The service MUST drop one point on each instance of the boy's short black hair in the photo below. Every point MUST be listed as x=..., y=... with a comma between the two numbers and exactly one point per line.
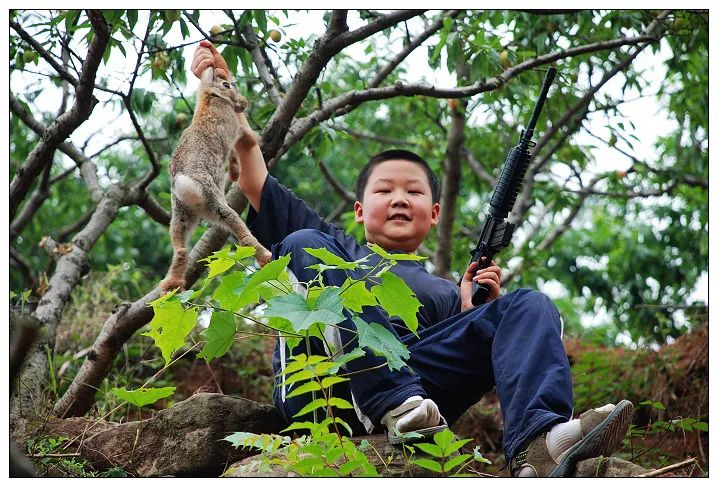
x=396, y=154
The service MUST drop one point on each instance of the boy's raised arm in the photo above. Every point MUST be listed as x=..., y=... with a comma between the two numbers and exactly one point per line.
x=253, y=171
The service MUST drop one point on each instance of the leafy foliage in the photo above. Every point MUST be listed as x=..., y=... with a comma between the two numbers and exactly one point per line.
x=143, y=396
x=666, y=237
x=445, y=461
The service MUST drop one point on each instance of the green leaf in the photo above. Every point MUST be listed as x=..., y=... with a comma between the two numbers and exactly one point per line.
x=301, y=375
x=478, y=457
x=350, y=466
x=169, y=296
x=264, y=441
x=391, y=256
x=269, y=272
x=261, y=19
x=131, y=18
x=344, y=358
x=299, y=362
x=456, y=461
x=219, y=335
x=218, y=266
x=443, y=438
x=382, y=342
x=344, y=424
x=230, y=289
x=333, y=454
x=431, y=449
x=315, y=404
x=356, y=295
x=340, y=403
x=331, y=260
x=222, y=260
x=398, y=300
x=454, y=446
x=428, y=464
x=299, y=425
x=295, y=309
x=170, y=326
x=304, y=388
x=144, y=395
x=331, y=380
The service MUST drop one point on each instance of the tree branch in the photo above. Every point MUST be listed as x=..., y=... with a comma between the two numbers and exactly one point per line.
x=685, y=178
x=73, y=227
x=127, y=100
x=65, y=124
x=341, y=104
x=523, y=201
x=153, y=209
x=333, y=41
x=434, y=28
x=378, y=138
x=33, y=204
x=130, y=317
x=17, y=261
x=552, y=237
x=263, y=64
x=344, y=193
x=46, y=55
x=87, y=167
x=451, y=181
x=478, y=168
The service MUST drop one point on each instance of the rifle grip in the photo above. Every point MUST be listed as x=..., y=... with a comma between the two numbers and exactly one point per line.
x=480, y=293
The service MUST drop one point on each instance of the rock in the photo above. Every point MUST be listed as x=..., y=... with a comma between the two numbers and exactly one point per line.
x=608, y=467
x=186, y=440
x=183, y=440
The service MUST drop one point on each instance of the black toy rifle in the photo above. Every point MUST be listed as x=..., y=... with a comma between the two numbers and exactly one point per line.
x=497, y=232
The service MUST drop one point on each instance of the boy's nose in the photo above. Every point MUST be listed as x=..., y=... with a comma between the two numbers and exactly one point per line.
x=399, y=200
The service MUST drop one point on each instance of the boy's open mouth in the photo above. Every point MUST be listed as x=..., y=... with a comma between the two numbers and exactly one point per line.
x=400, y=217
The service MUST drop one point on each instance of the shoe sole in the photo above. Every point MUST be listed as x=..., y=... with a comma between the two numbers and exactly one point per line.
x=602, y=440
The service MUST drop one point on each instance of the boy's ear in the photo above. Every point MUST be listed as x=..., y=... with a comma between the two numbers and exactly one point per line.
x=358, y=212
x=435, y=210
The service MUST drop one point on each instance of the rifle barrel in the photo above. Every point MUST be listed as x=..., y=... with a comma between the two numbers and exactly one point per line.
x=550, y=75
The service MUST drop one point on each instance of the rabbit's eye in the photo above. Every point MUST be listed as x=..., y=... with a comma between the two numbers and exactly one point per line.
x=225, y=84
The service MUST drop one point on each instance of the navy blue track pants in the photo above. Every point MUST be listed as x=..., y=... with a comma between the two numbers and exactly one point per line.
x=513, y=343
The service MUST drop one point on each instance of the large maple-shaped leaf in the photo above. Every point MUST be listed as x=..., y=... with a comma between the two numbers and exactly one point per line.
x=170, y=326
x=356, y=295
x=219, y=335
x=237, y=290
x=229, y=290
x=398, y=300
x=382, y=342
x=295, y=309
x=144, y=395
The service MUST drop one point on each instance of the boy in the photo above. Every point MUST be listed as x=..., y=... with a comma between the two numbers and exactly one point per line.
x=512, y=342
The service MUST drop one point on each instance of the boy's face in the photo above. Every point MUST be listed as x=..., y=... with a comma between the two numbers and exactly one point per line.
x=397, y=210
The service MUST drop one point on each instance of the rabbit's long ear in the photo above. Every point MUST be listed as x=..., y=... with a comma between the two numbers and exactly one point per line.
x=208, y=75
